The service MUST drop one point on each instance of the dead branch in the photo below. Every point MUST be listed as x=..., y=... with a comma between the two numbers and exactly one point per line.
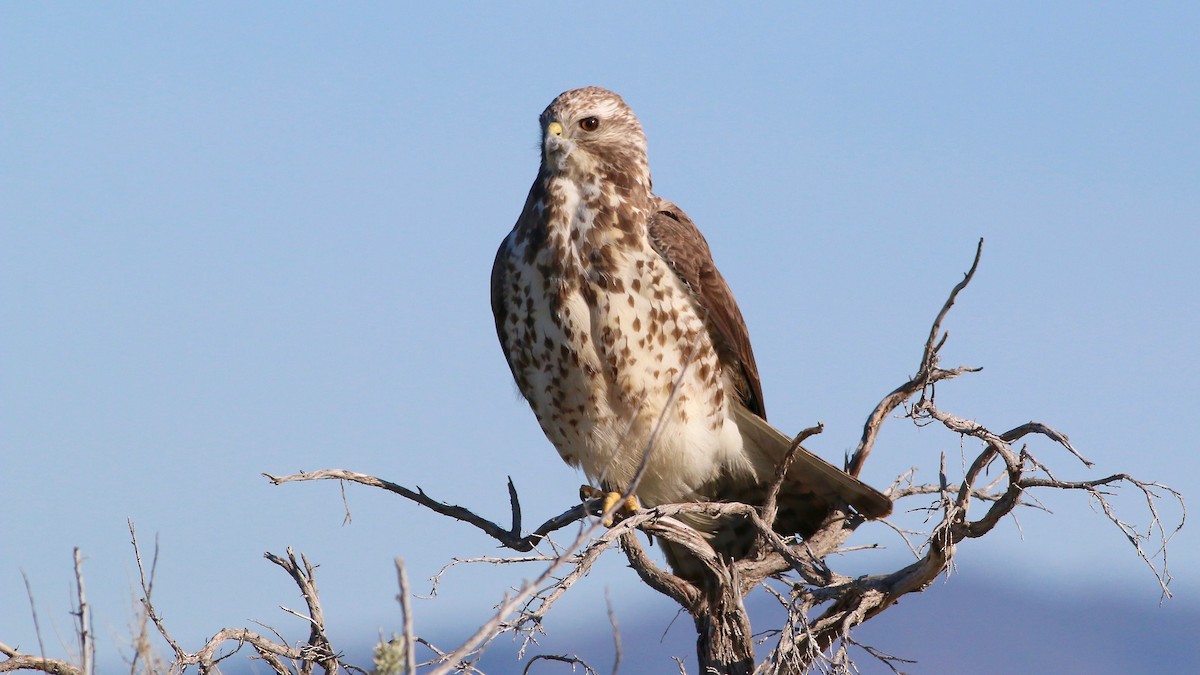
x=37, y=628
x=770, y=505
x=441, y=655
x=573, y=660
x=510, y=538
x=927, y=374
x=87, y=641
x=616, y=633
x=17, y=661
x=317, y=650
x=410, y=653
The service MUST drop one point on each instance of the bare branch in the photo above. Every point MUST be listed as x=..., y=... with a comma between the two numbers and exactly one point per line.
x=87, y=642
x=17, y=661
x=509, y=537
x=927, y=374
x=37, y=628
x=659, y=423
x=673, y=587
x=319, y=650
x=616, y=632
x=1132, y=535
x=770, y=506
x=573, y=660
x=410, y=652
x=147, y=584
x=464, y=667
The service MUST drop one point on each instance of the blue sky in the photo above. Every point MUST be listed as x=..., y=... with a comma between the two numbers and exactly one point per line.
x=241, y=239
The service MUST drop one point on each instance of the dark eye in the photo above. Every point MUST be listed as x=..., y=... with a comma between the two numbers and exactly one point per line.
x=589, y=123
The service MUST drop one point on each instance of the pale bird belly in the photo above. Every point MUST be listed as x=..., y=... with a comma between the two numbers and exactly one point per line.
x=607, y=372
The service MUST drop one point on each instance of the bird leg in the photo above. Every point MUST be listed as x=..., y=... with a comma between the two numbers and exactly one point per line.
x=630, y=506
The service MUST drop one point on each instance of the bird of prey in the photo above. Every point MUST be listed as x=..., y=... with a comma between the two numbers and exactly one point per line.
x=616, y=323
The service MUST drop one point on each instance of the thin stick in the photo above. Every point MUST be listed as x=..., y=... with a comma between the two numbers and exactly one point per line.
x=410, y=645
x=770, y=504
x=926, y=374
x=87, y=648
x=616, y=632
x=37, y=629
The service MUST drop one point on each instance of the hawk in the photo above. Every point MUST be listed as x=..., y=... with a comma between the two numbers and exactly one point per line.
x=615, y=322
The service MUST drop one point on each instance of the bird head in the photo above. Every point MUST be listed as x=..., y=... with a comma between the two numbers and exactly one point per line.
x=592, y=131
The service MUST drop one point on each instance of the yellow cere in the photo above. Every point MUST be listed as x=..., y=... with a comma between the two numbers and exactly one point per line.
x=555, y=128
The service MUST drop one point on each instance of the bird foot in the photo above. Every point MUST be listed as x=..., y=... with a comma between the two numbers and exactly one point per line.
x=630, y=504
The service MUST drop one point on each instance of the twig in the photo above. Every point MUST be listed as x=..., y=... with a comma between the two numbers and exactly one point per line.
x=616, y=632
x=87, y=645
x=37, y=628
x=17, y=661
x=659, y=423
x=770, y=504
x=441, y=655
x=147, y=586
x=318, y=649
x=490, y=628
x=509, y=537
x=410, y=651
x=573, y=660
x=927, y=374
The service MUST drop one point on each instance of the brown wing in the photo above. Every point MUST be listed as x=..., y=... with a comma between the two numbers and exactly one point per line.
x=814, y=484
x=680, y=243
x=499, y=306
x=528, y=233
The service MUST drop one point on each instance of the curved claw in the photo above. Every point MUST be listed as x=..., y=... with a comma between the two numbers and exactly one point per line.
x=630, y=506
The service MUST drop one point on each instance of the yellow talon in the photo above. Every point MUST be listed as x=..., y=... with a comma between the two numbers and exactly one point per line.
x=610, y=500
x=630, y=506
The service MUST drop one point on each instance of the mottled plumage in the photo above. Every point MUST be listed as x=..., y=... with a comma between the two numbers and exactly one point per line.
x=605, y=298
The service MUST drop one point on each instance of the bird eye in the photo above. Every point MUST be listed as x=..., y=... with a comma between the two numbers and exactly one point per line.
x=589, y=123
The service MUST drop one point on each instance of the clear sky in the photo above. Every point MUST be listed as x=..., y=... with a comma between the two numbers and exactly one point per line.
x=237, y=239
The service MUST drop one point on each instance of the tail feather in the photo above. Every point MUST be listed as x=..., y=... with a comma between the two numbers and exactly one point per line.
x=811, y=489
x=767, y=447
